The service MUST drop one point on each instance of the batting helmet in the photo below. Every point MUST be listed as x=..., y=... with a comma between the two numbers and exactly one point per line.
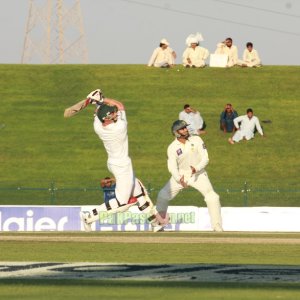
x=177, y=125
x=105, y=110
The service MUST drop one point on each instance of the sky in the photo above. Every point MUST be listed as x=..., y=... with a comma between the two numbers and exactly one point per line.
x=127, y=31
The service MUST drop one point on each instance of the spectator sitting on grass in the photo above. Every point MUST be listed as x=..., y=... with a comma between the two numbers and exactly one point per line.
x=245, y=131
x=162, y=56
x=192, y=117
x=226, y=47
x=250, y=57
x=226, y=119
x=194, y=56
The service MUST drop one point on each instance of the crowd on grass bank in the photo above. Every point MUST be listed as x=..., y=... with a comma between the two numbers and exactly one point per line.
x=196, y=56
x=226, y=55
x=242, y=127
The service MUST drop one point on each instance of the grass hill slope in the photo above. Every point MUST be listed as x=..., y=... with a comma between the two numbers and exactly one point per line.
x=39, y=146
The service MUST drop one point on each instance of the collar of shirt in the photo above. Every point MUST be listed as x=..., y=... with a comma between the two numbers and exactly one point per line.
x=179, y=143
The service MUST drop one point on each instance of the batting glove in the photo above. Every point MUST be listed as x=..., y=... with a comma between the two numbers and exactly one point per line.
x=96, y=97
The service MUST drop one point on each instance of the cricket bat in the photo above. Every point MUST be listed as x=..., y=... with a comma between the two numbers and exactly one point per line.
x=76, y=108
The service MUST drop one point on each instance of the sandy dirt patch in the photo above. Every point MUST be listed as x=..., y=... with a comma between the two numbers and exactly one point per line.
x=159, y=239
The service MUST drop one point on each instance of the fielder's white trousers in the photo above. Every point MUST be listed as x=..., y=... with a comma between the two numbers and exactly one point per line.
x=200, y=182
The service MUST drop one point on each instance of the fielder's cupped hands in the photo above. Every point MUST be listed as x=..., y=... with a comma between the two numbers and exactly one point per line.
x=193, y=170
x=182, y=182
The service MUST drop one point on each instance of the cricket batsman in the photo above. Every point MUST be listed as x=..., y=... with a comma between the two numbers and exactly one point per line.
x=110, y=124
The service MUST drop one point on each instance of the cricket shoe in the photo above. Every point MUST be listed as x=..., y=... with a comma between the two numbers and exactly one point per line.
x=84, y=217
x=218, y=228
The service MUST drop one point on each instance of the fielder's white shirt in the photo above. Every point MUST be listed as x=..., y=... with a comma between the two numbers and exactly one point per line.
x=182, y=156
x=115, y=139
x=248, y=125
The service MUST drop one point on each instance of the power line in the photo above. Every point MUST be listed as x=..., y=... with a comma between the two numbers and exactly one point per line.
x=210, y=18
x=260, y=9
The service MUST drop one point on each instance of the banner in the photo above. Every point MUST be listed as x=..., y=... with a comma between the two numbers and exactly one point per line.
x=276, y=219
x=182, y=218
x=39, y=218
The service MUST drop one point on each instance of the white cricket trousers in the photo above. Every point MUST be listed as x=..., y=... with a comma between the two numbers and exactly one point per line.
x=200, y=182
x=125, y=181
x=126, y=187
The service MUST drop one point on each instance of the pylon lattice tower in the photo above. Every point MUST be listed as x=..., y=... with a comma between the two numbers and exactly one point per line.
x=54, y=33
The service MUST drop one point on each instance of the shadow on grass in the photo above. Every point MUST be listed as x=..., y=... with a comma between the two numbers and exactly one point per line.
x=147, y=284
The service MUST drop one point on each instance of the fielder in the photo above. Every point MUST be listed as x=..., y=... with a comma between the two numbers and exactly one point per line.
x=110, y=124
x=187, y=159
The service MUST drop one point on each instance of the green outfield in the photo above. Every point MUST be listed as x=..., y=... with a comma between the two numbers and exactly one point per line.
x=214, y=249
x=43, y=151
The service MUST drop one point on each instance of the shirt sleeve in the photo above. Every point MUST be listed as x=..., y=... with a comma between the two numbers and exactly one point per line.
x=198, y=120
x=182, y=116
x=257, y=56
x=222, y=116
x=152, y=58
x=220, y=48
x=172, y=164
x=204, y=156
x=122, y=115
x=185, y=55
x=245, y=56
x=235, y=55
x=237, y=120
x=206, y=54
x=258, y=127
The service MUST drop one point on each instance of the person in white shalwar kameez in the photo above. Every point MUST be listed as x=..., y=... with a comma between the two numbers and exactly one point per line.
x=250, y=57
x=246, y=125
x=162, y=56
x=193, y=118
x=231, y=50
x=194, y=55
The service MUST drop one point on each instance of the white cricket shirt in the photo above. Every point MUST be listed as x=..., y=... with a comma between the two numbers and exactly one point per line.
x=182, y=156
x=115, y=139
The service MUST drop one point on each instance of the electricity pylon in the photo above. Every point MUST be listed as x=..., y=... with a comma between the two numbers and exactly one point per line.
x=54, y=33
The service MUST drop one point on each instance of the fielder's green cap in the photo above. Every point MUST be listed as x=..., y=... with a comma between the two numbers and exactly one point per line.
x=105, y=110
